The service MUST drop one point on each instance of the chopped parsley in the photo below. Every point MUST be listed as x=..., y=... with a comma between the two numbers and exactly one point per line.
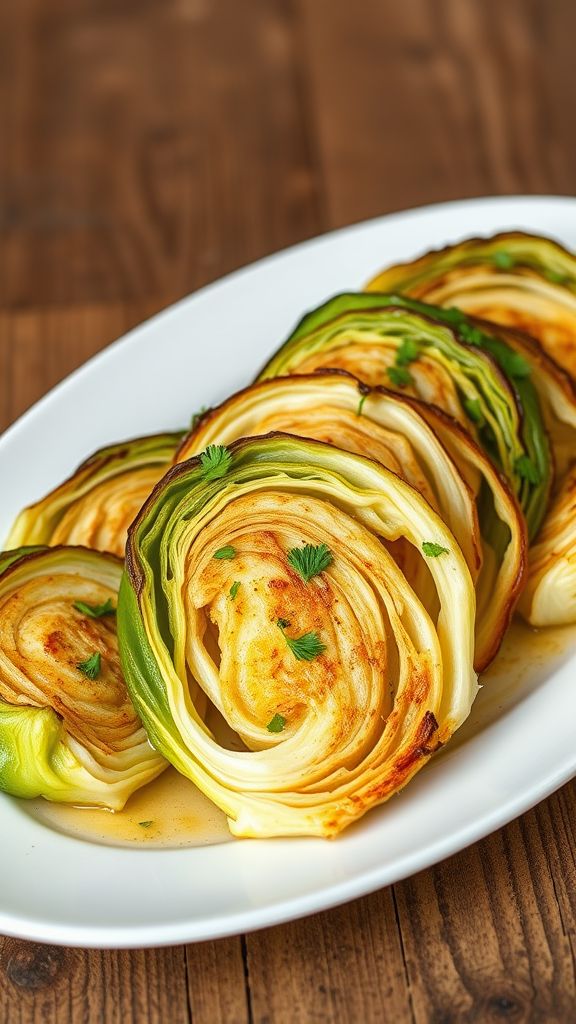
x=234, y=589
x=310, y=560
x=407, y=352
x=226, y=552
x=276, y=724
x=399, y=376
x=556, y=278
x=145, y=824
x=305, y=647
x=527, y=470
x=430, y=548
x=91, y=667
x=215, y=462
x=503, y=260
x=95, y=611
x=471, y=335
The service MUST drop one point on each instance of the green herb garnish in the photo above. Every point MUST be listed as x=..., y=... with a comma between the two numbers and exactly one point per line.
x=471, y=335
x=276, y=724
x=407, y=352
x=95, y=611
x=227, y=552
x=361, y=405
x=527, y=470
x=234, y=589
x=503, y=260
x=310, y=560
x=305, y=647
x=145, y=824
x=91, y=667
x=433, y=550
x=399, y=376
x=215, y=462
x=556, y=278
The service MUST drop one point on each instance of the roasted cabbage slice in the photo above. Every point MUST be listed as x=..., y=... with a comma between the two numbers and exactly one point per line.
x=429, y=450
x=96, y=505
x=68, y=730
x=518, y=279
x=382, y=340
x=257, y=574
x=550, y=595
x=543, y=388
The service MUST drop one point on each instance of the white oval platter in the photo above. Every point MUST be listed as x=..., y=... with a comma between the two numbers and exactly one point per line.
x=56, y=888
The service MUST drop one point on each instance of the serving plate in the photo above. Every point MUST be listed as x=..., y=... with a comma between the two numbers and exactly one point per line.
x=517, y=747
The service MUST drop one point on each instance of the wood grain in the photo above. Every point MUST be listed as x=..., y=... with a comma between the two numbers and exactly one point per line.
x=153, y=146
x=150, y=146
x=428, y=100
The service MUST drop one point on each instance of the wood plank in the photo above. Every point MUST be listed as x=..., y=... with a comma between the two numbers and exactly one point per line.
x=487, y=935
x=38, y=349
x=345, y=965
x=153, y=146
x=429, y=100
x=217, y=990
x=40, y=984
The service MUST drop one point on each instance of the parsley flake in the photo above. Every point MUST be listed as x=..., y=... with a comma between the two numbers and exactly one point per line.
x=95, y=611
x=145, y=824
x=234, y=589
x=310, y=560
x=224, y=553
x=276, y=724
x=471, y=335
x=503, y=260
x=91, y=667
x=399, y=376
x=215, y=462
x=305, y=647
x=407, y=352
x=556, y=278
x=527, y=470
x=433, y=550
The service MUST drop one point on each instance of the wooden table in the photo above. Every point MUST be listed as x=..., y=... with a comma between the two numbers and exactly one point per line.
x=149, y=146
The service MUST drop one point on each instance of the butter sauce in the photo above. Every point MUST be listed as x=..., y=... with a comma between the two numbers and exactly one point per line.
x=169, y=812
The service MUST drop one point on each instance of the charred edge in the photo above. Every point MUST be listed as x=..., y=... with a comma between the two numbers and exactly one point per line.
x=422, y=747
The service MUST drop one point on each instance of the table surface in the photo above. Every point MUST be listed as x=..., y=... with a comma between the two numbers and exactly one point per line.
x=149, y=146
